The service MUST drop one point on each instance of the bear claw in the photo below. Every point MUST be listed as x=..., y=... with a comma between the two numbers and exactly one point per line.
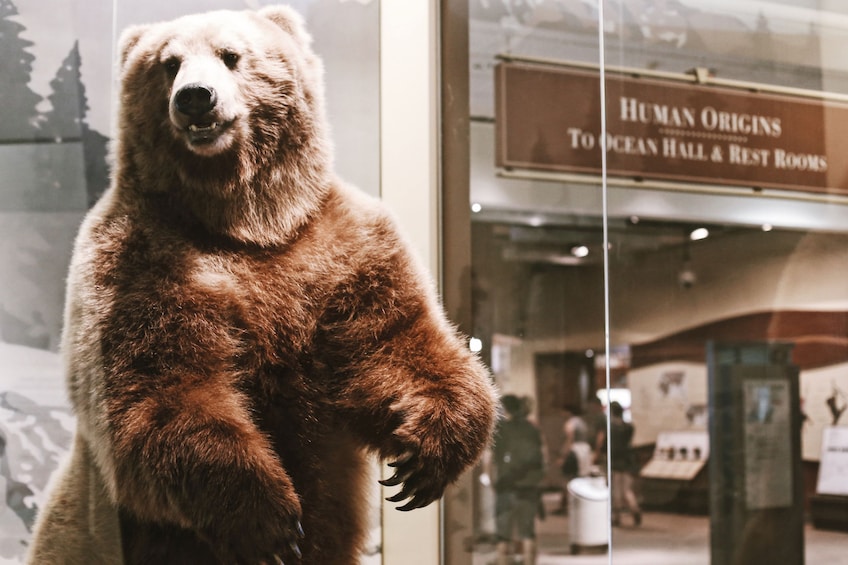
x=413, y=490
x=395, y=479
x=402, y=460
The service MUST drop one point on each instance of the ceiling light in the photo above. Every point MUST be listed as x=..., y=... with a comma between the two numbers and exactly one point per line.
x=580, y=251
x=767, y=227
x=699, y=233
x=476, y=207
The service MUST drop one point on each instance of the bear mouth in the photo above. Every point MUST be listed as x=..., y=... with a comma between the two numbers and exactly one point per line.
x=203, y=133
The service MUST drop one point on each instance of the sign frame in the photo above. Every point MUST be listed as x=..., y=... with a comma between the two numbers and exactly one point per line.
x=548, y=120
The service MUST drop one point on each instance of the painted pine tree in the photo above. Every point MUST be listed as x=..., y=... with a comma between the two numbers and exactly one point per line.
x=67, y=101
x=18, y=118
x=66, y=121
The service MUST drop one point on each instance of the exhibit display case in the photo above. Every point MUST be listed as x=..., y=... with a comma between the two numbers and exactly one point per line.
x=601, y=189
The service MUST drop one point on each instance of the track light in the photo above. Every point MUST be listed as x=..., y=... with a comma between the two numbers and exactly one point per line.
x=580, y=251
x=699, y=233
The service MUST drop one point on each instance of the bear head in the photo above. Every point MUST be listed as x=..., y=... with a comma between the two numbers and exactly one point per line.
x=222, y=115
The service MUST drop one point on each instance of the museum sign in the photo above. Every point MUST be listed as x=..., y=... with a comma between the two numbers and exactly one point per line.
x=548, y=119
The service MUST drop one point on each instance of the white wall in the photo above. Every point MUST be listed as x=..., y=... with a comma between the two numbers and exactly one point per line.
x=409, y=185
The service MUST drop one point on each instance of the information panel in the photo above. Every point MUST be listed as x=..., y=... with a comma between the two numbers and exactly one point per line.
x=833, y=470
x=767, y=442
x=548, y=119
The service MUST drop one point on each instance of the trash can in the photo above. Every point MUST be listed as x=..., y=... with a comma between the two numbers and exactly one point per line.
x=588, y=513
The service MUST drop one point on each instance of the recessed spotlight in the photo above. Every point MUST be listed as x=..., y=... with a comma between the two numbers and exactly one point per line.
x=476, y=207
x=475, y=344
x=767, y=227
x=699, y=233
x=535, y=221
x=580, y=251
x=634, y=220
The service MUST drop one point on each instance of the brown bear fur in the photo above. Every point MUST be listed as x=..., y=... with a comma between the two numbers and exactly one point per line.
x=242, y=329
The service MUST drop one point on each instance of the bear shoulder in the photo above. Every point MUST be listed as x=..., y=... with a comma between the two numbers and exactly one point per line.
x=365, y=221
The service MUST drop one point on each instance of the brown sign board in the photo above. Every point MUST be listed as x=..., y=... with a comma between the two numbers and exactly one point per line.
x=548, y=119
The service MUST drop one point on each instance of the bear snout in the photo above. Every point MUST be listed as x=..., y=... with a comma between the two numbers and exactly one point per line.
x=194, y=100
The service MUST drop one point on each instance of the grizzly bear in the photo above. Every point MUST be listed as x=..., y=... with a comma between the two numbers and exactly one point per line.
x=242, y=329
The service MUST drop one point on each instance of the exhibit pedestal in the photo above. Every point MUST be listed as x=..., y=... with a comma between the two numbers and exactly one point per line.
x=756, y=485
x=675, y=479
x=829, y=512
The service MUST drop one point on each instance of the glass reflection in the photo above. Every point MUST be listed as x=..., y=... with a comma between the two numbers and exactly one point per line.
x=698, y=266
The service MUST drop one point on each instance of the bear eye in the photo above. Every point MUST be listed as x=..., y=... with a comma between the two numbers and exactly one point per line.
x=172, y=65
x=230, y=59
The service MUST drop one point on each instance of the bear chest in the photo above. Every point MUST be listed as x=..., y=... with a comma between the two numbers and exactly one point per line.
x=262, y=307
x=274, y=295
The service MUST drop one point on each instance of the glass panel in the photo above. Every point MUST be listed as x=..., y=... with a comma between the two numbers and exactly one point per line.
x=537, y=263
x=57, y=89
x=724, y=242
x=52, y=165
x=728, y=234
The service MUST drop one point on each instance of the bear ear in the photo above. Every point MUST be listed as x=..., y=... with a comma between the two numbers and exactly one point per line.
x=129, y=39
x=290, y=21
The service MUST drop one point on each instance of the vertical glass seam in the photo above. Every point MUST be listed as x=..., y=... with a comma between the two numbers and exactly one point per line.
x=605, y=223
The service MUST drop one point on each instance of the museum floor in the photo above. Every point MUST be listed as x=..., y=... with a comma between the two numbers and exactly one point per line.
x=662, y=539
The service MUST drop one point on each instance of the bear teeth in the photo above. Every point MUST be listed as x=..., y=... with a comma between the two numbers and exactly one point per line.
x=210, y=127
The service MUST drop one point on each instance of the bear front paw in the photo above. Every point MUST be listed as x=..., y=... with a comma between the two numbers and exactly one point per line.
x=290, y=546
x=421, y=485
x=262, y=539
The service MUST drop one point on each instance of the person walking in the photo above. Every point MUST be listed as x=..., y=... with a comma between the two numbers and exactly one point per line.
x=519, y=467
x=576, y=453
x=621, y=452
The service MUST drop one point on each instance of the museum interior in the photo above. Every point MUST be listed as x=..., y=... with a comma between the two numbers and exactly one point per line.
x=642, y=224
x=686, y=275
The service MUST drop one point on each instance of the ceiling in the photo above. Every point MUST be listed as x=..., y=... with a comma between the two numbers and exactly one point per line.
x=788, y=43
x=557, y=244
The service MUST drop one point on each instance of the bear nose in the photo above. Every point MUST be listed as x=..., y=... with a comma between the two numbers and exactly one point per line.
x=195, y=100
